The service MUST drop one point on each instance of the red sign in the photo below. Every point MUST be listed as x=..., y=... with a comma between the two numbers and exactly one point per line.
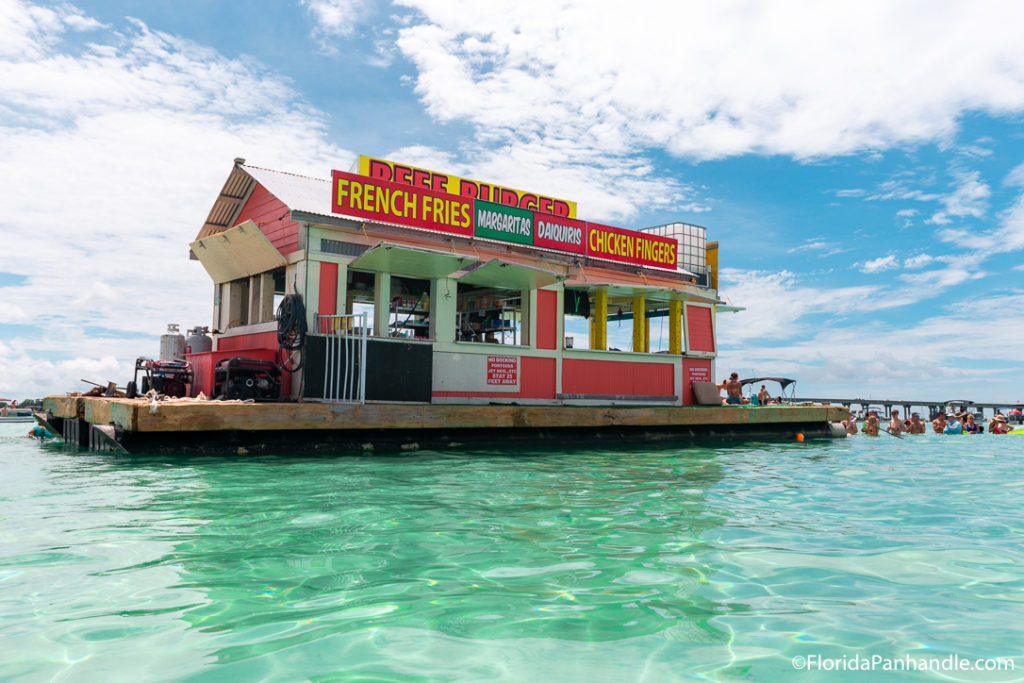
x=631, y=246
x=555, y=232
x=699, y=374
x=502, y=370
x=381, y=200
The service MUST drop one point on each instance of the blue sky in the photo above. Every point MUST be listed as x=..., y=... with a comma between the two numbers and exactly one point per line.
x=861, y=166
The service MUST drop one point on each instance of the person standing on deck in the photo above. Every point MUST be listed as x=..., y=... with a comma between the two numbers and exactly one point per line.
x=895, y=424
x=763, y=397
x=916, y=426
x=733, y=390
x=939, y=423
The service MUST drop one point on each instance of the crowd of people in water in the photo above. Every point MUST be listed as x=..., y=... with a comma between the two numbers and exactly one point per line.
x=958, y=423
x=954, y=423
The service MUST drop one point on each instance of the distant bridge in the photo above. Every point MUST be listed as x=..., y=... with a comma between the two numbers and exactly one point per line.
x=905, y=406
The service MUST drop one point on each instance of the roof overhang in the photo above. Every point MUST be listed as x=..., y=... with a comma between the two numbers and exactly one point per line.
x=498, y=273
x=423, y=263
x=229, y=202
x=239, y=252
x=618, y=291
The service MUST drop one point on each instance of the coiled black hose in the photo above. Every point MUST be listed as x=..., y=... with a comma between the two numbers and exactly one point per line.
x=291, y=330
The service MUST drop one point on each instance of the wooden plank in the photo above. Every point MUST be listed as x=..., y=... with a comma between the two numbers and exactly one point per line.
x=135, y=415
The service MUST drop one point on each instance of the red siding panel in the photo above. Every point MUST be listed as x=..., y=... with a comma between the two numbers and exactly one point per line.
x=694, y=370
x=271, y=214
x=328, y=304
x=260, y=340
x=699, y=330
x=536, y=380
x=547, y=319
x=608, y=378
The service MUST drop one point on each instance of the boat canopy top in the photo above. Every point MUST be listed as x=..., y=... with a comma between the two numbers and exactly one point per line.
x=784, y=382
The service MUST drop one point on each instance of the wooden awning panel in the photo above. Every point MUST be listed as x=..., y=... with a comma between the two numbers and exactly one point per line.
x=239, y=252
x=422, y=263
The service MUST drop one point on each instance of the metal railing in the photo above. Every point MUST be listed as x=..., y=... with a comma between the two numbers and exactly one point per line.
x=344, y=357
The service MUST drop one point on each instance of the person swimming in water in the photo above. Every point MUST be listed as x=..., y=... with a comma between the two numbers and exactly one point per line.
x=953, y=426
x=871, y=424
x=970, y=426
x=939, y=423
x=40, y=433
x=851, y=424
x=916, y=426
x=896, y=426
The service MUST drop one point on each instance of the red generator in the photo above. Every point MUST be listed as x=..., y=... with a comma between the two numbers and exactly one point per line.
x=246, y=378
x=168, y=377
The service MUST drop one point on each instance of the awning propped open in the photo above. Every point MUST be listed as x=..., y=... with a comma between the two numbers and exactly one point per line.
x=421, y=263
x=498, y=273
x=239, y=252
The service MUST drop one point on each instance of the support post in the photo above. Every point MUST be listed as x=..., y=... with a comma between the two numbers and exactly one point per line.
x=382, y=304
x=601, y=319
x=639, y=324
x=675, y=327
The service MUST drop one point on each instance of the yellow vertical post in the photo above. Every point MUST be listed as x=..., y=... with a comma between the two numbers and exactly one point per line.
x=711, y=258
x=600, y=319
x=675, y=326
x=639, y=324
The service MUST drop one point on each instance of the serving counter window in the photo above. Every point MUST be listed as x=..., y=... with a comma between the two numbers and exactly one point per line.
x=361, y=290
x=490, y=315
x=409, y=313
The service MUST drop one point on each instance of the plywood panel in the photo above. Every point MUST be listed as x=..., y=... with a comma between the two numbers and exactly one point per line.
x=699, y=331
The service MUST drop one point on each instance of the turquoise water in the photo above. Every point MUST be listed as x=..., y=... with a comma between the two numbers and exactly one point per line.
x=647, y=564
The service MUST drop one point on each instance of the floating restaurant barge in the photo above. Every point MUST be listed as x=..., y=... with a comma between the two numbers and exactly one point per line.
x=416, y=309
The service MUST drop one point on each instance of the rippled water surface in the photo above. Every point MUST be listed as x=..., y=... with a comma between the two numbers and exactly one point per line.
x=653, y=564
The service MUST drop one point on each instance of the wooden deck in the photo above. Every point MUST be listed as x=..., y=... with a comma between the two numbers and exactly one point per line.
x=132, y=424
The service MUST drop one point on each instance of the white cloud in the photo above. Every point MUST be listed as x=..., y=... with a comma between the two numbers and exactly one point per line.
x=917, y=261
x=28, y=31
x=747, y=77
x=907, y=213
x=879, y=264
x=933, y=359
x=1015, y=177
x=816, y=244
x=970, y=198
x=335, y=17
x=780, y=306
x=1009, y=236
x=92, y=135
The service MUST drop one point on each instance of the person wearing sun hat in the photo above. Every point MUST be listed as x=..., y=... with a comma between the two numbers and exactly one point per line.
x=998, y=424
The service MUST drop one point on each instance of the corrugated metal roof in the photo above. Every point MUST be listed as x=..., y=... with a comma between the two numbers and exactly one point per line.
x=229, y=202
x=298, y=192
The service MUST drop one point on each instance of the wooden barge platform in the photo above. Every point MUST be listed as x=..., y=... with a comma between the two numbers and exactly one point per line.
x=138, y=426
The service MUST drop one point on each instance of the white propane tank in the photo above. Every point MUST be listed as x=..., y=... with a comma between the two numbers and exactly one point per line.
x=172, y=344
x=198, y=341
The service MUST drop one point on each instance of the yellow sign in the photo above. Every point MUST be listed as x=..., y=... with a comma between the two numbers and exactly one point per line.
x=380, y=169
